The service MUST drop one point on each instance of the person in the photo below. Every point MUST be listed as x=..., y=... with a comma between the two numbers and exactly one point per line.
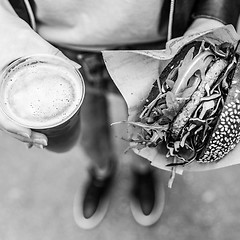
x=78, y=30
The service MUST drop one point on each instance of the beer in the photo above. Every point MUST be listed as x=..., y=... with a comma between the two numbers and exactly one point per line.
x=44, y=93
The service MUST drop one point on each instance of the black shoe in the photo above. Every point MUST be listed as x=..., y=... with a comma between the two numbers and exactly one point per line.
x=91, y=206
x=147, y=199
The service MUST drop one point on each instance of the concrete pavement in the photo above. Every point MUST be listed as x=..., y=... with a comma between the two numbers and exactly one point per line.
x=37, y=189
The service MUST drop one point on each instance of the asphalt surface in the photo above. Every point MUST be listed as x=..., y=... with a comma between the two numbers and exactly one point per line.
x=37, y=188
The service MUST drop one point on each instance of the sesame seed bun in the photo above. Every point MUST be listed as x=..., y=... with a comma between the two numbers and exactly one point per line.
x=226, y=134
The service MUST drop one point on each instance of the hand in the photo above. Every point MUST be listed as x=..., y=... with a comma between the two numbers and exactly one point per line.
x=20, y=40
x=202, y=25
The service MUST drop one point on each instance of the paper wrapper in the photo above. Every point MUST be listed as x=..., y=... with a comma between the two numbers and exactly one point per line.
x=134, y=73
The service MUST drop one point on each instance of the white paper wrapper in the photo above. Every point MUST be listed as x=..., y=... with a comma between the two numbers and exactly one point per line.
x=134, y=72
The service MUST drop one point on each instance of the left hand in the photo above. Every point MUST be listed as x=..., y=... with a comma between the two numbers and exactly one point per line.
x=202, y=25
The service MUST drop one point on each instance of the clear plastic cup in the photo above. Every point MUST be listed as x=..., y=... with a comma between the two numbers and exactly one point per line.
x=44, y=93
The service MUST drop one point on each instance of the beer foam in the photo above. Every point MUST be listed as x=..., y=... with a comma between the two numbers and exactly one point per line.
x=41, y=95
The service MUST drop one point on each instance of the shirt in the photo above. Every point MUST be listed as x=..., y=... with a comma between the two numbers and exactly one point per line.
x=98, y=23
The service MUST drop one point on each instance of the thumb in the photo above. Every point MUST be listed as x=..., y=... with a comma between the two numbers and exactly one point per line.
x=60, y=54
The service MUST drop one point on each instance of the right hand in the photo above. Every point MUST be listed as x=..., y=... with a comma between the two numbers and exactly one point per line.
x=20, y=40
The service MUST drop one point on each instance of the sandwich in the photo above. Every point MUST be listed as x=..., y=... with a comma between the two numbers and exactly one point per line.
x=193, y=108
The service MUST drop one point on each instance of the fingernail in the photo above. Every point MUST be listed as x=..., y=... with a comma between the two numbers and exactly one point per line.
x=44, y=142
x=26, y=135
x=40, y=142
x=39, y=146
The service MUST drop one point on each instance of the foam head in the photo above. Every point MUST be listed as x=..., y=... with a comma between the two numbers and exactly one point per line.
x=41, y=91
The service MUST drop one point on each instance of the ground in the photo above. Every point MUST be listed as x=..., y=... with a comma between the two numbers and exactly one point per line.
x=37, y=189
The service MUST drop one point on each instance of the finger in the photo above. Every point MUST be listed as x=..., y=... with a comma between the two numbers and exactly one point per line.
x=19, y=137
x=30, y=145
x=19, y=131
x=38, y=146
x=39, y=139
x=60, y=54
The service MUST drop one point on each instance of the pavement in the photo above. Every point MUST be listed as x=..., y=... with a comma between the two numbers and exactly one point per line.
x=37, y=188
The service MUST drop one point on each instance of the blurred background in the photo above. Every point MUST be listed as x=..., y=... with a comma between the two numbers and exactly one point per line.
x=37, y=188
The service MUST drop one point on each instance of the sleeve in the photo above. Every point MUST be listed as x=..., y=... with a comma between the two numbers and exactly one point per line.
x=225, y=11
x=18, y=39
x=25, y=10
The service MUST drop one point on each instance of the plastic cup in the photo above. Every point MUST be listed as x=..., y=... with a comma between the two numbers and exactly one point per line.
x=44, y=93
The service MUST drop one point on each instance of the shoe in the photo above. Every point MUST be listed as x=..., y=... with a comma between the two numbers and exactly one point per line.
x=147, y=198
x=90, y=207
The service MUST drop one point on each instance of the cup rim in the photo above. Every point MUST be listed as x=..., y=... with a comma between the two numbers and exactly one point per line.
x=39, y=57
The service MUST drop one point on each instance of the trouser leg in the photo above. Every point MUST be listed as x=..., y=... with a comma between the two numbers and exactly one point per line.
x=95, y=129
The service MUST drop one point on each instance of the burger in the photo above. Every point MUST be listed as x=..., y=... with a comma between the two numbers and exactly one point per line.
x=193, y=108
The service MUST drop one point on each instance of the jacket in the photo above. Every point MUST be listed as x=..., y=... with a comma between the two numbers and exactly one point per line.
x=176, y=15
